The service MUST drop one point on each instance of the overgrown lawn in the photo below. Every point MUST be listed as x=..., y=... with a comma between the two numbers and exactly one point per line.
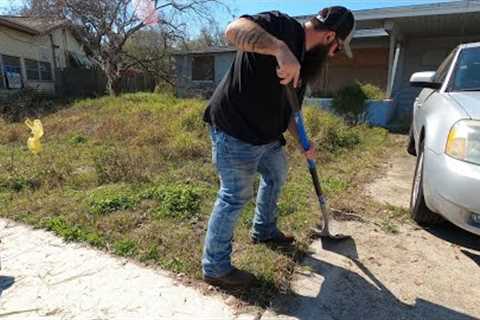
x=132, y=175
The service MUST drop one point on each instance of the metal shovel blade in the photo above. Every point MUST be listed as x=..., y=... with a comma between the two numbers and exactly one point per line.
x=323, y=231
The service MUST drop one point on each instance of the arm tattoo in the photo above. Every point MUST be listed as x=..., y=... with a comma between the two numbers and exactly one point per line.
x=253, y=38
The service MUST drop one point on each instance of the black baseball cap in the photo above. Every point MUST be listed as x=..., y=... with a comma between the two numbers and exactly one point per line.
x=340, y=20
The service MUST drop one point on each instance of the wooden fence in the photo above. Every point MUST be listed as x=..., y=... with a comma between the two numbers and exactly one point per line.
x=92, y=82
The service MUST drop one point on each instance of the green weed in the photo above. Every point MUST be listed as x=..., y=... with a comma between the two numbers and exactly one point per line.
x=107, y=200
x=125, y=248
x=175, y=201
x=78, y=139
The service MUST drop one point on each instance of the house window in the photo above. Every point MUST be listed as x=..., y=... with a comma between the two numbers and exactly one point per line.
x=46, y=71
x=12, y=70
x=38, y=71
x=33, y=71
x=203, y=68
x=12, y=64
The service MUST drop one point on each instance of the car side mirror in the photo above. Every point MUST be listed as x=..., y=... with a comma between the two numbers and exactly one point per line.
x=424, y=80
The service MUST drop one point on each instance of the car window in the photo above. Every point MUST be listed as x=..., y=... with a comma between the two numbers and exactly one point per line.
x=442, y=71
x=467, y=71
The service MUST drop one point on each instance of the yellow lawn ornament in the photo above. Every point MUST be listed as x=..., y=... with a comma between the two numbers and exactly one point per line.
x=33, y=143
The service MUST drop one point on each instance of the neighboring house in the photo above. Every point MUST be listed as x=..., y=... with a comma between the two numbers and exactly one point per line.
x=389, y=45
x=33, y=50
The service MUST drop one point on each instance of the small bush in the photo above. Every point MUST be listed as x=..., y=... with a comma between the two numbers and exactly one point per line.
x=78, y=139
x=69, y=232
x=373, y=92
x=106, y=201
x=176, y=201
x=25, y=103
x=125, y=248
x=341, y=138
x=18, y=184
x=349, y=102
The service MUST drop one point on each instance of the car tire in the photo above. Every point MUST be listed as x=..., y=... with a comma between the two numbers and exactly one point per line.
x=418, y=208
x=411, y=143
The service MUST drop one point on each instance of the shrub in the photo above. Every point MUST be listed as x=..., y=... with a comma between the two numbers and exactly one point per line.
x=349, y=102
x=18, y=183
x=176, y=201
x=373, y=92
x=69, y=232
x=105, y=201
x=22, y=104
x=341, y=138
x=78, y=139
x=125, y=248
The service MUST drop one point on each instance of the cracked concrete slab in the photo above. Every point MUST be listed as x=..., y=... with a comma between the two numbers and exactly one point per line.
x=44, y=278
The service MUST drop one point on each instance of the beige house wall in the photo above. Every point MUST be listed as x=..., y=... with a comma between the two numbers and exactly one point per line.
x=39, y=48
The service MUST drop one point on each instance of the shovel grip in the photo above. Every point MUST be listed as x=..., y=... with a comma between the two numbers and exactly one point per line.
x=302, y=134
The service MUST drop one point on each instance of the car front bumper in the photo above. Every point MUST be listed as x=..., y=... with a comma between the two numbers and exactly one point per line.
x=452, y=189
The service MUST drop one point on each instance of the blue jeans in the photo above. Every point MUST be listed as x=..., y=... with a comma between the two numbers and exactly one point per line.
x=237, y=164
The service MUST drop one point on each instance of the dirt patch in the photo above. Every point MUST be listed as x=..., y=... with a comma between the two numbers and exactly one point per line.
x=391, y=269
x=415, y=274
x=395, y=178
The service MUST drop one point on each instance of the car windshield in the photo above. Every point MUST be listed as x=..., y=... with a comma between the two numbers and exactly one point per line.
x=467, y=73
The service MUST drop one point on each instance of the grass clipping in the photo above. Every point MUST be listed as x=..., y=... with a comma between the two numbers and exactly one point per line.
x=132, y=175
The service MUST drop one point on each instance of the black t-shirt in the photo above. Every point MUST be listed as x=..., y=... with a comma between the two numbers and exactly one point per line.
x=250, y=103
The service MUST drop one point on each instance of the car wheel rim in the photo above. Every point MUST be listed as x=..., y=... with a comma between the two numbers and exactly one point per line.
x=418, y=179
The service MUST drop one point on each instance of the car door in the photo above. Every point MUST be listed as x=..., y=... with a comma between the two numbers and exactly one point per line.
x=421, y=106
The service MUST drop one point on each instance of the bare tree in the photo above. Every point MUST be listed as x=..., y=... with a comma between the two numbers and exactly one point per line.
x=211, y=36
x=105, y=26
x=151, y=51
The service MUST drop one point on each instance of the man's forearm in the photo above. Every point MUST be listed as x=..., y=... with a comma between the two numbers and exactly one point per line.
x=248, y=36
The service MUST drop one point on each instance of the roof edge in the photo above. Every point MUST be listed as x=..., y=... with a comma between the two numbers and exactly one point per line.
x=437, y=8
x=18, y=27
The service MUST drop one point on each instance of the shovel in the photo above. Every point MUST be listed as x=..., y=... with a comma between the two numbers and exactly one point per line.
x=324, y=231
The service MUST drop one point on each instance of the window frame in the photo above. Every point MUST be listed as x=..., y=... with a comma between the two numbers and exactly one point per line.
x=49, y=68
x=18, y=68
x=212, y=71
x=445, y=67
x=31, y=62
x=39, y=71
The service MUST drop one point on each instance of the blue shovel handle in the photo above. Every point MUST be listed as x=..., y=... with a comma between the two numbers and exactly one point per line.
x=304, y=141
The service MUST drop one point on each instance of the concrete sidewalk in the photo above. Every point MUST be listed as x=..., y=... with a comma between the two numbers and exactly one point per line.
x=42, y=277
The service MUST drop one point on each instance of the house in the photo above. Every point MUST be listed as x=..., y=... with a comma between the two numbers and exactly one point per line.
x=389, y=45
x=33, y=50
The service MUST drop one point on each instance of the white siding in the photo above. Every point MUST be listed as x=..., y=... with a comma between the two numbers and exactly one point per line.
x=39, y=48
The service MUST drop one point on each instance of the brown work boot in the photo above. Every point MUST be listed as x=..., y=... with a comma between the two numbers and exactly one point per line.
x=234, y=279
x=280, y=239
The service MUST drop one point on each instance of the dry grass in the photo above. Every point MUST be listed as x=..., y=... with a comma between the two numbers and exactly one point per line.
x=132, y=175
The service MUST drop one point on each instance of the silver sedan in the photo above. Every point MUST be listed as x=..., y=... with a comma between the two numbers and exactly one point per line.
x=445, y=137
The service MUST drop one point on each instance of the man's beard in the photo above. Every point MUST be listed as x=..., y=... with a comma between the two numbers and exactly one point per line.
x=313, y=64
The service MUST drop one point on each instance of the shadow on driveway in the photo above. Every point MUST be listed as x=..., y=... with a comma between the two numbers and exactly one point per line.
x=5, y=283
x=453, y=234
x=348, y=296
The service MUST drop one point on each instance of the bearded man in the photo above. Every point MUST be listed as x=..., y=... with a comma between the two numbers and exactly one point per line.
x=248, y=114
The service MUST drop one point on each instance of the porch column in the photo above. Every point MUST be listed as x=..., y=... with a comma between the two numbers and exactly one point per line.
x=390, y=28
